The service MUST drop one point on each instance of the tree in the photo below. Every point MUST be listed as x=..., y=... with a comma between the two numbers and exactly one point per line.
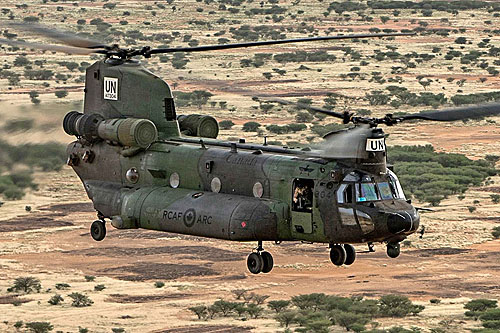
x=477, y=306
x=39, y=327
x=260, y=299
x=238, y=293
x=225, y=307
x=286, y=318
x=254, y=310
x=397, y=306
x=251, y=126
x=303, y=117
x=348, y=319
x=26, y=284
x=200, y=97
x=80, y=300
x=278, y=306
x=199, y=310
x=61, y=93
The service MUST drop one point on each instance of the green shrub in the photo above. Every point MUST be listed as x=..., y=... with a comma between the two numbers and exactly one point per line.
x=39, y=327
x=56, y=300
x=199, y=310
x=159, y=284
x=80, y=300
x=62, y=286
x=397, y=306
x=278, y=306
x=99, y=287
x=496, y=232
x=89, y=278
x=251, y=126
x=226, y=124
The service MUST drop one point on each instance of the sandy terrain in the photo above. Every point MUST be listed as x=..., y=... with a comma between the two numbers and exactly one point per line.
x=455, y=261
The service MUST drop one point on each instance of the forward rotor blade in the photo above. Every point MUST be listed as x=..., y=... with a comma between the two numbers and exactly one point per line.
x=49, y=47
x=306, y=107
x=349, y=143
x=268, y=42
x=67, y=38
x=451, y=114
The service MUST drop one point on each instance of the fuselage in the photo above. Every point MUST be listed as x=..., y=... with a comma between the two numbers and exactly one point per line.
x=241, y=194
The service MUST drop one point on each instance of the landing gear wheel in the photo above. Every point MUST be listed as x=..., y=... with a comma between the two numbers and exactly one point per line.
x=393, y=250
x=98, y=230
x=268, y=261
x=255, y=263
x=337, y=255
x=350, y=254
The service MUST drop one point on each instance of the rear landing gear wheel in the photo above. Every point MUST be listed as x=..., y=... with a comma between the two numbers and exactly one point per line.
x=267, y=258
x=255, y=263
x=393, y=250
x=337, y=255
x=350, y=254
x=98, y=230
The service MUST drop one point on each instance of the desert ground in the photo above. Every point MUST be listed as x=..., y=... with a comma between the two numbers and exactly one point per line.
x=457, y=259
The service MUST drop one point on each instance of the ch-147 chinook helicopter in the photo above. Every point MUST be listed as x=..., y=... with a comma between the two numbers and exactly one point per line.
x=144, y=166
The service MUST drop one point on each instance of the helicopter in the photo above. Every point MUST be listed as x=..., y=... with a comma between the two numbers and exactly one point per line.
x=144, y=166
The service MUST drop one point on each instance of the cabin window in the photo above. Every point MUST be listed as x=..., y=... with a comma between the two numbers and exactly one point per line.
x=302, y=200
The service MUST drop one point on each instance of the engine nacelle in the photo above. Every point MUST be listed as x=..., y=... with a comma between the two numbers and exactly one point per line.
x=125, y=131
x=198, y=125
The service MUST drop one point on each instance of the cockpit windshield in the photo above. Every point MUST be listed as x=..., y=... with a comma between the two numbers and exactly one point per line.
x=367, y=188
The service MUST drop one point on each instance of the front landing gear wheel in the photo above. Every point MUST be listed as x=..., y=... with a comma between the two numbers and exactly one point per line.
x=255, y=263
x=350, y=254
x=267, y=258
x=98, y=230
x=337, y=255
x=393, y=250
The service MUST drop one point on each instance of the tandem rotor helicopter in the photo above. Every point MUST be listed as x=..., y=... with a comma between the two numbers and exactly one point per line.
x=144, y=166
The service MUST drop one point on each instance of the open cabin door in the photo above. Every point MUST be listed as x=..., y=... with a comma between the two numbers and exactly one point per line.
x=302, y=205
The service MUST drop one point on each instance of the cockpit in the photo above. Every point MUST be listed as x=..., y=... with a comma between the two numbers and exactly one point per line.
x=363, y=188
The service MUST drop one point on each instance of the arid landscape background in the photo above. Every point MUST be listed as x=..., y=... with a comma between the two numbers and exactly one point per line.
x=456, y=261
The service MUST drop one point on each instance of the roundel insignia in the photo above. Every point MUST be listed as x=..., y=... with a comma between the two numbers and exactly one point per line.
x=243, y=224
x=189, y=217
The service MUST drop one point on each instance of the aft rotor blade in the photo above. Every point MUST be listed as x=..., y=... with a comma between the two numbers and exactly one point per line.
x=49, y=47
x=65, y=37
x=270, y=42
x=451, y=114
x=306, y=107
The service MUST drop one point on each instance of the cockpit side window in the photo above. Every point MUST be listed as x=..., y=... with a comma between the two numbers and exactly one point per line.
x=395, y=185
x=366, y=192
x=344, y=193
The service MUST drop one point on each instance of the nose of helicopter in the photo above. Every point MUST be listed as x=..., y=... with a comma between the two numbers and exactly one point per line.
x=403, y=221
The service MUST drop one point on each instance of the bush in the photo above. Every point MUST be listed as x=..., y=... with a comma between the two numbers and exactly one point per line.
x=56, y=299
x=61, y=93
x=159, y=284
x=496, y=232
x=348, y=319
x=251, y=126
x=26, y=284
x=62, y=286
x=99, y=287
x=80, y=300
x=199, y=310
x=278, y=306
x=226, y=124
x=89, y=278
x=39, y=327
x=397, y=306
x=286, y=318
x=478, y=306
